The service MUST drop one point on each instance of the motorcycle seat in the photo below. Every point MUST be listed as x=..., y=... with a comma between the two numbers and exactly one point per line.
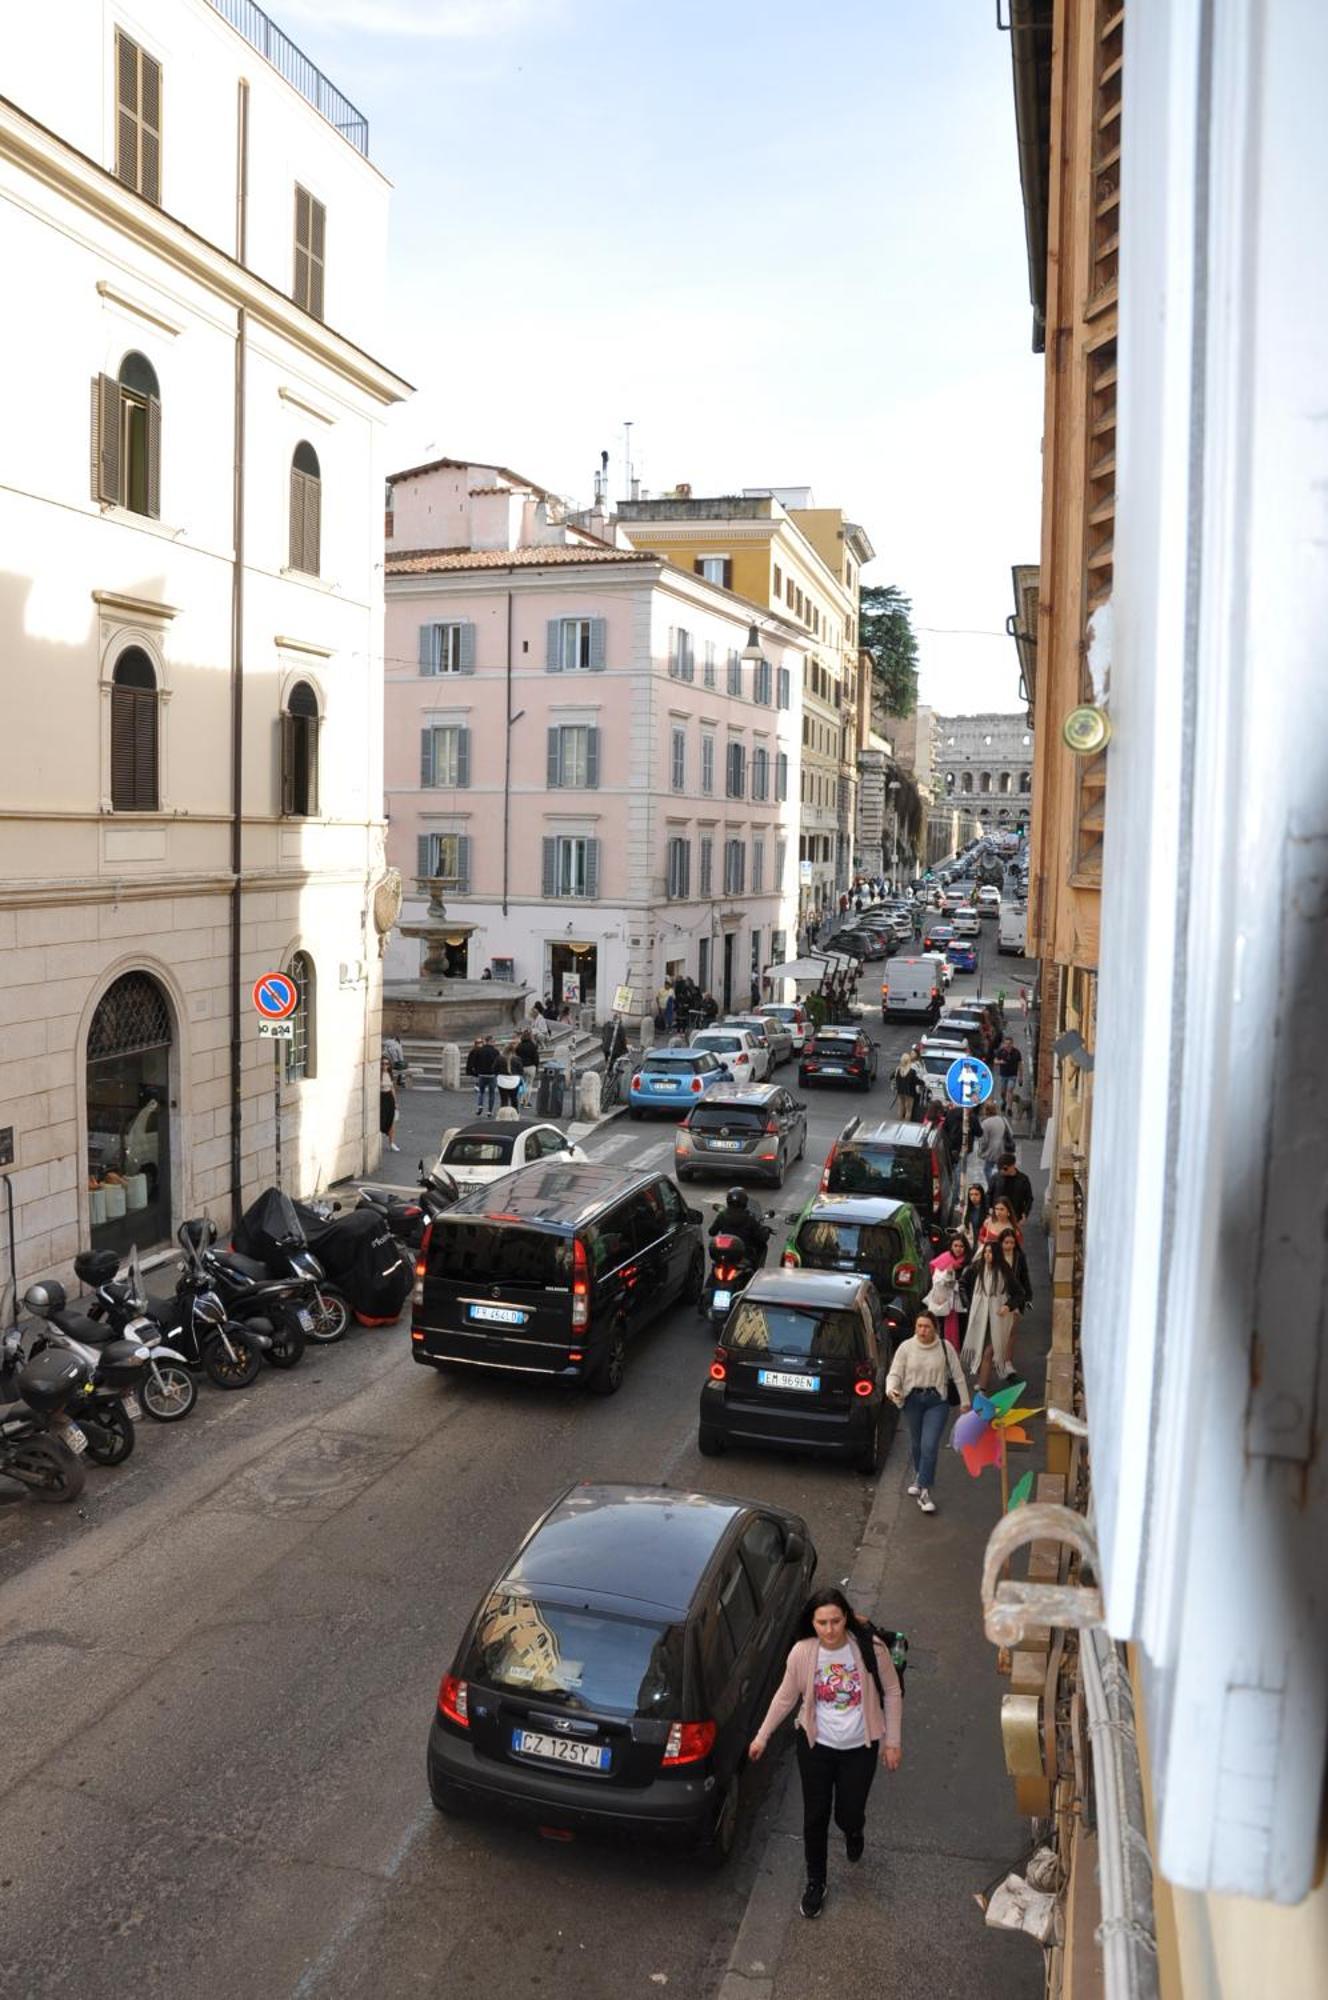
x=92, y=1332
x=246, y=1267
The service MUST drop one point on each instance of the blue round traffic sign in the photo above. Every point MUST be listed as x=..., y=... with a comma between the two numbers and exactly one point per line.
x=968, y=1082
x=276, y=996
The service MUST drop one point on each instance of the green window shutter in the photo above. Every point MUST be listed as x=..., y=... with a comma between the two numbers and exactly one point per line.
x=554, y=769
x=463, y=758
x=422, y=856
x=466, y=648
x=592, y=758
x=553, y=659
x=463, y=864
x=106, y=439
x=598, y=639
x=592, y=868
x=429, y=645
x=550, y=888
x=426, y=757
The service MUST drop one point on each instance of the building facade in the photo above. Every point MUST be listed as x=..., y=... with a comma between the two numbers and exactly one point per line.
x=983, y=764
x=602, y=787
x=191, y=622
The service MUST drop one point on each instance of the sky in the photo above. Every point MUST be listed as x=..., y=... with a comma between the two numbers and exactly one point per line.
x=783, y=239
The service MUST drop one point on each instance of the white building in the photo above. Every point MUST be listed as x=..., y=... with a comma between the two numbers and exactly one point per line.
x=190, y=617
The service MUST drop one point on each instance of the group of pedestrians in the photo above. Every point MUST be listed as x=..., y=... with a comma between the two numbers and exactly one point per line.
x=680, y=1004
x=504, y=1075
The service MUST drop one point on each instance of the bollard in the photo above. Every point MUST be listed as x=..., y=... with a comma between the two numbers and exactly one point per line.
x=587, y=1097
x=450, y=1067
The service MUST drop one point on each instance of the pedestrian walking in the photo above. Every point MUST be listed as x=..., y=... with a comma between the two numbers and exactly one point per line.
x=527, y=1054
x=482, y=1066
x=910, y=1084
x=1013, y=1183
x=840, y=1679
x=924, y=1376
x=508, y=1081
x=396, y=1056
x=1009, y=1062
x=945, y=1298
x=387, y=1105
x=995, y=1301
x=994, y=1140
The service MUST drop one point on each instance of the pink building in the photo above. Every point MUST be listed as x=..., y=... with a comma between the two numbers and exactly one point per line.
x=576, y=745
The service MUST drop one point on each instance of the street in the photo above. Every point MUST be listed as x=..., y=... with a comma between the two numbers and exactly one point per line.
x=219, y=1673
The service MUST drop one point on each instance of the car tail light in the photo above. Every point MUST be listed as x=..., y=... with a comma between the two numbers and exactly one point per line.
x=811, y=1062
x=905, y=1274
x=580, y=1284
x=637, y=1080
x=422, y=1263
x=688, y=1742
x=791, y=1260
x=696, y=1083
x=741, y=1056
x=934, y=994
x=885, y=991
x=726, y=1273
x=825, y=1171
x=771, y=1125
x=453, y=1701
x=719, y=1369
x=863, y=1386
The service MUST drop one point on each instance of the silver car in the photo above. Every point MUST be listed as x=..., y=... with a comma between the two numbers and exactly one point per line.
x=773, y=1031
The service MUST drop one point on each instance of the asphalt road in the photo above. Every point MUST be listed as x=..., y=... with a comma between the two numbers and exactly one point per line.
x=218, y=1676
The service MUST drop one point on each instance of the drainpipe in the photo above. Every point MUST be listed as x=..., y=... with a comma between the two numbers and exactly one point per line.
x=237, y=654
x=1128, y=1931
x=507, y=758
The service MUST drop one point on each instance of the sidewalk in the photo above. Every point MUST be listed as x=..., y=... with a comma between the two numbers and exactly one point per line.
x=903, y=1924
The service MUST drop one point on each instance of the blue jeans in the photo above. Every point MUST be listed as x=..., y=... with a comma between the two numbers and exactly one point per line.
x=486, y=1091
x=925, y=1411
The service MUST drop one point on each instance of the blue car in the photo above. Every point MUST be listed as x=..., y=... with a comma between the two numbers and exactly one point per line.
x=673, y=1079
x=962, y=954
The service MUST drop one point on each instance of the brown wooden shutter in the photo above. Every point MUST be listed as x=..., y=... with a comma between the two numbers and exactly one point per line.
x=145, y=750
x=312, y=725
x=133, y=749
x=122, y=749
x=149, y=130
x=301, y=288
x=297, y=485
x=313, y=513
x=317, y=244
x=138, y=119
x=728, y=573
x=288, y=738
x=154, y=458
x=106, y=439
x=126, y=126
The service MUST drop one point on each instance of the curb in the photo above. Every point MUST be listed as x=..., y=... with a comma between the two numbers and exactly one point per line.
x=753, y=1964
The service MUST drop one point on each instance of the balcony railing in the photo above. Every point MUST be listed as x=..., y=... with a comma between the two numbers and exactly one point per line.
x=302, y=75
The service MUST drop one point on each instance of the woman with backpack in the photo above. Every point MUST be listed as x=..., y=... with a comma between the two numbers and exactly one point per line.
x=925, y=1378
x=842, y=1681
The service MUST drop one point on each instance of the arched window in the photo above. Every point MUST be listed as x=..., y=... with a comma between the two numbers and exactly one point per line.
x=300, y=1049
x=306, y=509
x=140, y=436
x=966, y=782
x=984, y=782
x=1004, y=784
x=299, y=753
x=949, y=782
x=1025, y=781
x=134, y=733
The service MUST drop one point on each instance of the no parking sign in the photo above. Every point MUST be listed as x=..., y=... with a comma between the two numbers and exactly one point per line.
x=276, y=996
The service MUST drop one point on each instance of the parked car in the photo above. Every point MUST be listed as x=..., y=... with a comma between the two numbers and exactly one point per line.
x=901, y=1160
x=741, y=1130
x=881, y=1238
x=801, y=1364
x=487, y=1150
x=962, y=954
x=966, y=921
x=937, y=1055
x=839, y=1055
x=746, y=1059
x=795, y=1018
x=554, y=1274
x=776, y=1037
x=672, y=1079
x=614, y=1674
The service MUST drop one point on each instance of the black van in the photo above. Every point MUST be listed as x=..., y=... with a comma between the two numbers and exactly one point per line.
x=900, y=1161
x=551, y=1271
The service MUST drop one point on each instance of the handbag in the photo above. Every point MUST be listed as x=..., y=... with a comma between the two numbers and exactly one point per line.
x=941, y=1298
x=952, y=1361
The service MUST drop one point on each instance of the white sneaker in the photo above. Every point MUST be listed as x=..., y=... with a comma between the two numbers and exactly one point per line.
x=392, y=1146
x=914, y=1490
x=925, y=1502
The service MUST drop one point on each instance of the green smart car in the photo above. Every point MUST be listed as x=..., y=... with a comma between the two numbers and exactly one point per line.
x=881, y=1238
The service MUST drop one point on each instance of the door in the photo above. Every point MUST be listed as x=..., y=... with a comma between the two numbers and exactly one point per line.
x=679, y=1248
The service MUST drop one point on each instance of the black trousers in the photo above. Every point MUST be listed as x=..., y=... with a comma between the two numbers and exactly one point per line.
x=838, y=1778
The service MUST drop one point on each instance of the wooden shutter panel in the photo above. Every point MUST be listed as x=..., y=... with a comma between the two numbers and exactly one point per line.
x=154, y=458
x=428, y=649
x=553, y=658
x=550, y=888
x=143, y=714
x=592, y=868
x=317, y=243
x=149, y=137
x=313, y=524
x=463, y=864
x=554, y=767
x=295, y=538
x=728, y=573
x=301, y=286
x=311, y=725
x=698, y=565
x=106, y=439
x=122, y=749
x=426, y=757
x=673, y=652
x=466, y=648
x=597, y=642
x=286, y=736
x=126, y=121
x=463, y=758
x=592, y=758
x=423, y=858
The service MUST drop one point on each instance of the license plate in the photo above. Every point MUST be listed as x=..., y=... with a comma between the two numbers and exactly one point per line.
x=132, y=1407
x=561, y=1750
x=666, y=1083
x=723, y=1300
x=832, y=1069
x=499, y=1315
x=74, y=1438
x=725, y=1145
x=771, y=1378
x=304, y=1319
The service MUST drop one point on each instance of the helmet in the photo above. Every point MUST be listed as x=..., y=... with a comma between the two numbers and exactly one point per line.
x=45, y=1299
x=736, y=1198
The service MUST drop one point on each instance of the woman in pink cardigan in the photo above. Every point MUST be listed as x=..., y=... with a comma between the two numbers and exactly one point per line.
x=842, y=1682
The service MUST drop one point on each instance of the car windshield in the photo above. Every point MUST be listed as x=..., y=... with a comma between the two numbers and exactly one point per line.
x=859, y=1244
x=725, y=1042
x=478, y=1252
x=802, y=1330
x=897, y=1171
x=475, y=1149
x=576, y=1656
x=788, y=1015
x=737, y=1117
x=937, y=1061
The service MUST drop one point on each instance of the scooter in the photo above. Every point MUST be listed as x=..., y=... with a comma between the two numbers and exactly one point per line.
x=167, y=1391
x=193, y=1320
x=107, y=1410
x=39, y=1447
x=277, y=1312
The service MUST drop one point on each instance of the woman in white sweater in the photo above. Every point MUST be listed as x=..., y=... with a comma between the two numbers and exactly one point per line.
x=921, y=1374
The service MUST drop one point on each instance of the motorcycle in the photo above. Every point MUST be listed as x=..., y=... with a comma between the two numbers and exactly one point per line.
x=168, y=1391
x=405, y=1218
x=107, y=1409
x=369, y=1269
x=276, y=1312
x=39, y=1447
x=193, y=1320
x=272, y=1242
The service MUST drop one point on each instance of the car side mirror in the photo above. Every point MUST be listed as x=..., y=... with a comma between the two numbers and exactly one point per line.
x=794, y=1549
x=695, y=1215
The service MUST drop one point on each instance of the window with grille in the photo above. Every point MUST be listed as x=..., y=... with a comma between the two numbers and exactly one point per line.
x=310, y=252
x=735, y=771
x=707, y=764
x=126, y=437
x=299, y=753
x=706, y=883
x=445, y=857
x=573, y=762
x=679, y=868
x=300, y=1047
x=735, y=867
x=306, y=509
x=137, y=119
x=134, y=732
x=132, y=1015
x=445, y=757
x=678, y=759
x=571, y=866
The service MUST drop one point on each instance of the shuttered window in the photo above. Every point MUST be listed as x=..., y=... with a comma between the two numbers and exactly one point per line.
x=306, y=509
x=708, y=667
x=715, y=569
x=707, y=868
x=760, y=773
x=570, y=867
x=575, y=646
x=1105, y=219
x=735, y=771
x=445, y=757
x=682, y=655
x=134, y=732
x=300, y=725
x=734, y=671
x=137, y=119
x=707, y=763
x=1099, y=562
x=781, y=776
x=310, y=248
x=126, y=437
x=445, y=857
x=762, y=682
x=448, y=648
x=573, y=757
x=679, y=869
x=678, y=758
x=735, y=867
x=785, y=688
x=781, y=858
x=758, y=869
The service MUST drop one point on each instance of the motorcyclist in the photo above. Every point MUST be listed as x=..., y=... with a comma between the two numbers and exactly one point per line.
x=738, y=1218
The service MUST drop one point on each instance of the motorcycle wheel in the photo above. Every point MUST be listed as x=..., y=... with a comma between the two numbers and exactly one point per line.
x=110, y=1434
x=47, y=1468
x=331, y=1316
x=169, y=1393
x=287, y=1349
x=230, y=1362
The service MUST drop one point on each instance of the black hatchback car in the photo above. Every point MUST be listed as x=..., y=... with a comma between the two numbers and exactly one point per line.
x=900, y=1160
x=839, y=1055
x=801, y=1365
x=552, y=1270
x=617, y=1670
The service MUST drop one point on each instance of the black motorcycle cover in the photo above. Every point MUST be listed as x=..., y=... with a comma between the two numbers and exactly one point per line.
x=273, y=1220
x=363, y=1260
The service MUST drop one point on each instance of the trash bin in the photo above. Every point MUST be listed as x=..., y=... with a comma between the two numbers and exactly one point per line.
x=552, y=1084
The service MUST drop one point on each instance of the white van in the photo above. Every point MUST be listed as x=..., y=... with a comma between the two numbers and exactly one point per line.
x=910, y=986
x=1012, y=932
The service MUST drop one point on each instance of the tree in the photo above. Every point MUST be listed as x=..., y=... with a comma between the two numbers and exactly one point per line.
x=886, y=632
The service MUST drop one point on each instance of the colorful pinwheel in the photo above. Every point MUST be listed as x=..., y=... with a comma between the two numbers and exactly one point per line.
x=982, y=1433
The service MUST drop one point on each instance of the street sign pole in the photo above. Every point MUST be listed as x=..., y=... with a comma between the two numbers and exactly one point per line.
x=276, y=1103
x=275, y=997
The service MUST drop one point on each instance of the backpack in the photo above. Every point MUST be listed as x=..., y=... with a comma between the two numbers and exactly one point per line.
x=896, y=1644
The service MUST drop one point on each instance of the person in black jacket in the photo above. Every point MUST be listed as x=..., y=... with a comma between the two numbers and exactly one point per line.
x=482, y=1065
x=737, y=1219
x=1011, y=1181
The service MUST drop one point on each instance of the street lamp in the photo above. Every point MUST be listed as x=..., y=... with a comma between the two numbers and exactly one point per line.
x=751, y=652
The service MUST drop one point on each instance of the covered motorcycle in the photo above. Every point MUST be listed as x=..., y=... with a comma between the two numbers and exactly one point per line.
x=362, y=1259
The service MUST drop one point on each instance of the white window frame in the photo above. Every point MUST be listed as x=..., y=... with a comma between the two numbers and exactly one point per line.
x=446, y=738
x=446, y=646
x=574, y=639
x=571, y=856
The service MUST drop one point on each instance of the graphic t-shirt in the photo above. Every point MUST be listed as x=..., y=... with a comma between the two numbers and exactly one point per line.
x=838, y=1692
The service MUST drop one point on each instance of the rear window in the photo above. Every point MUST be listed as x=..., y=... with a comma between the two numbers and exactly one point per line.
x=836, y=1045
x=674, y=1065
x=580, y=1658
x=472, y=1253
x=773, y=1329
x=871, y=1243
x=789, y=1015
x=725, y=1042
x=479, y=1150
x=738, y=1118
x=898, y=1171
